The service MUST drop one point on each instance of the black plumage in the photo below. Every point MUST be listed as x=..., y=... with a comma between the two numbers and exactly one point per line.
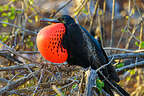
x=84, y=50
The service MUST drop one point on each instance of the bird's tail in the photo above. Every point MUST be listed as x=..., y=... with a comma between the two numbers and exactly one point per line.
x=109, y=88
x=119, y=89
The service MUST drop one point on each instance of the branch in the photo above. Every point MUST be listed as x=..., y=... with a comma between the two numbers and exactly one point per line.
x=98, y=69
x=127, y=55
x=23, y=29
x=9, y=57
x=13, y=85
x=130, y=66
x=17, y=67
x=61, y=8
x=90, y=81
x=3, y=80
x=13, y=51
x=57, y=90
x=120, y=49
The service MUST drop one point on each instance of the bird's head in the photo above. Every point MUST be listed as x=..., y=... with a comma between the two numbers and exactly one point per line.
x=49, y=39
x=65, y=19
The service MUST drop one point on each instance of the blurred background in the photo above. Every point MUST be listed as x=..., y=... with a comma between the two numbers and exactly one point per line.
x=23, y=72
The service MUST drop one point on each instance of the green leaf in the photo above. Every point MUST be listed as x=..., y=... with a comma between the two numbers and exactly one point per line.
x=132, y=72
x=1, y=9
x=19, y=11
x=128, y=78
x=119, y=65
x=85, y=11
x=4, y=14
x=1, y=37
x=9, y=14
x=31, y=2
x=6, y=7
x=13, y=10
x=133, y=11
x=76, y=13
x=74, y=86
x=31, y=44
x=122, y=30
x=75, y=78
x=5, y=38
x=29, y=20
x=136, y=43
x=99, y=84
x=142, y=44
x=36, y=18
x=13, y=0
x=12, y=17
x=6, y=21
x=126, y=17
x=100, y=12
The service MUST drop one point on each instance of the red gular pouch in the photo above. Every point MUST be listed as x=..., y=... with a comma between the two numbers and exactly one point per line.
x=49, y=43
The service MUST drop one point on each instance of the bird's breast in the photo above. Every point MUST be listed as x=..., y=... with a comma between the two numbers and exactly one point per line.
x=49, y=43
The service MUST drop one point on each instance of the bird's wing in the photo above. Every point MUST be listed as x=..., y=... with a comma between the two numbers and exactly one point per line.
x=99, y=52
x=102, y=58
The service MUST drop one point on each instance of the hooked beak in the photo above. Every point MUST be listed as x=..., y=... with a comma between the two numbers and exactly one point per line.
x=49, y=20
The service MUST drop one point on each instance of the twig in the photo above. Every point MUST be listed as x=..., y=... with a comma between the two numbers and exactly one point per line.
x=57, y=90
x=3, y=51
x=20, y=92
x=141, y=36
x=28, y=52
x=13, y=85
x=130, y=66
x=17, y=67
x=23, y=29
x=80, y=84
x=105, y=64
x=9, y=57
x=14, y=52
x=106, y=94
x=130, y=38
x=121, y=37
x=90, y=81
x=112, y=24
x=78, y=10
x=3, y=80
x=68, y=2
x=41, y=76
x=94, y=16
x=116, y=89
x=120, y=49
x=127, y=55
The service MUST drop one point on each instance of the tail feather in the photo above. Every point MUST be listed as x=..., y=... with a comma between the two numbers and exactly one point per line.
x=108, y=89
x=119, y=89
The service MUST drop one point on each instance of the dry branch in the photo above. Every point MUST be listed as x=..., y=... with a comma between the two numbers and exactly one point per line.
x=120, y=49
x=127, y=55
x=90, y=81
x=15, y=84
x=21, y=28
x=17, y=67
x=130, y=66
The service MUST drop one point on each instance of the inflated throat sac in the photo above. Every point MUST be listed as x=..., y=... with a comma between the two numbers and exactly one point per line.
x=49, y=43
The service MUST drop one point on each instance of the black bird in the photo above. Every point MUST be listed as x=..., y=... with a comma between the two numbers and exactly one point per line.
x=82, y=50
